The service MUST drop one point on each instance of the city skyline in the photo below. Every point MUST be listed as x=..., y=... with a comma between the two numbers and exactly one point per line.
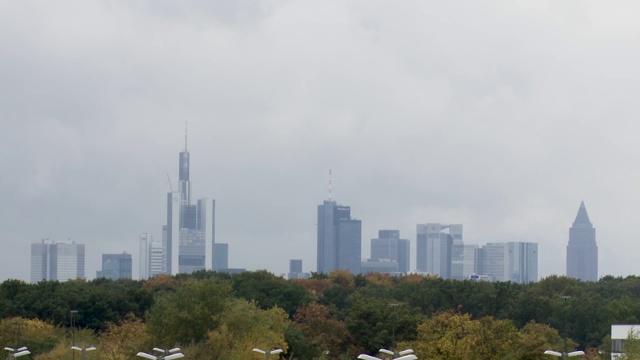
x=422, y=116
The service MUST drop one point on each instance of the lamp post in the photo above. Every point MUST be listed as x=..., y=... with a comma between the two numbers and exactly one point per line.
x=393, y=328
x=73, y=333
x=83, y=350
x=267, y=353
x=166, y=354
x=15, y=353
x=397, y=353
x=405, y=357
x=564, y=354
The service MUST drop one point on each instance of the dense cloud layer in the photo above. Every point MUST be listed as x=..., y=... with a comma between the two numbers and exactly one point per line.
x=500, y=116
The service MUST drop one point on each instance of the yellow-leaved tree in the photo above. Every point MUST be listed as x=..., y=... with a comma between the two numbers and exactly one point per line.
x=123, y=340
x=243, y=326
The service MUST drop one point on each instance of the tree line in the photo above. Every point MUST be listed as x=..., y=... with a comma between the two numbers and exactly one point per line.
x=329, y=316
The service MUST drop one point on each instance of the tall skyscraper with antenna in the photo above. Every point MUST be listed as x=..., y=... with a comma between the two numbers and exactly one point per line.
x=582, y=250
x=189, y=234
x=339, y=242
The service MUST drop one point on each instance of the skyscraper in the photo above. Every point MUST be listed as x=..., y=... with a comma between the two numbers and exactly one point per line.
x=220, y=256
x=339, y=239
x=143, y=255
x=511, y=261
x=56, y=261
x=389, y=246
x=434, y=248
x=115, y=266
x=189, y=234
x=582, y=250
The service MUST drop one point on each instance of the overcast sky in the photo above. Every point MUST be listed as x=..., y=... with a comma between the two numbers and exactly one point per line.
x=500, y=115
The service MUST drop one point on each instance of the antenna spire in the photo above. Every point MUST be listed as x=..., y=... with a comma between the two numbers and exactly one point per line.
x=185, y=135
x=330, y=186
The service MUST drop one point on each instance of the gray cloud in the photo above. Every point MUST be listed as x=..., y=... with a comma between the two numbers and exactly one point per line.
x=499, y=115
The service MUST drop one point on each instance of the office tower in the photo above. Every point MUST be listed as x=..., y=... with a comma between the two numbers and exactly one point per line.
x=389, y=246
x=143, y=255
x=523, y=262
x=295, y=270
x=295, y=266
x=189, y=234
x=469, y=261
x=157, y=259
x=220, y=256
x=511, y=261
x=56, y=261
x=115, y=266
x=434, y=248
x=40, y=261
x=457, y=252
x=492, y=261
x=339, y=239
x=582, y=250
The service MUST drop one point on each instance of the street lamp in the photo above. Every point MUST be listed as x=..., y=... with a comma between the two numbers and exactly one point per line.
x=267, y=353
x=73, y=333
x=83, y=351
x=405, y=357
x=564, y=354
x=166, y=354
x=396, y=353
x=14, y=353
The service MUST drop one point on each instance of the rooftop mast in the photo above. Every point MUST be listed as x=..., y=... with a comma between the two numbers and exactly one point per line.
x=330, y=186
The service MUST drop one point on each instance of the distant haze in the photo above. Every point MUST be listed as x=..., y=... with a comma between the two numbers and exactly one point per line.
x=500, y=115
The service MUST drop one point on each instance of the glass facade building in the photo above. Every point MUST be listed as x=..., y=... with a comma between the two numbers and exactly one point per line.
x=389, y=246
x=582, y=250
x=434, y=247
x=57, y=261
x=188, y=237
x=115, y=266
x=339, y=241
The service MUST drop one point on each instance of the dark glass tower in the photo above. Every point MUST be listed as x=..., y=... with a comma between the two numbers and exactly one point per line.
x=389, y=246
x=582, y=251
x=339, y=239
x=189, y=234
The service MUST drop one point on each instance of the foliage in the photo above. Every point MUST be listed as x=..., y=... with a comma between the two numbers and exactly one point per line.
x=337, y=311
x=123, y=340
x=631, y=348
x=243, y=326
x=188, y=314
x=268, y=290
x=322, y=329
x=37, y=335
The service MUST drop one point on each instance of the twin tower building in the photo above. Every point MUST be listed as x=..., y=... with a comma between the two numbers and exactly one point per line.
x=441, y=251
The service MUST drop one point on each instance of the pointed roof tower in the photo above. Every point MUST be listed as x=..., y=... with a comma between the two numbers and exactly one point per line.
x=582, y=217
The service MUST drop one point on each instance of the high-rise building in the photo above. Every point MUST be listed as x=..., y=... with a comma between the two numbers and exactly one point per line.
x=143, y=256
x=295, y=270
x=56, y=261
x=157, y=259
x=493, y=261
x=523, y=262
x=339, y=239
x=115, y=266
x=389, y=246
x=220, y=256
x=189, y=234
x=582, y=250
x=40, y=259
x=434, y=248
x=512, y=261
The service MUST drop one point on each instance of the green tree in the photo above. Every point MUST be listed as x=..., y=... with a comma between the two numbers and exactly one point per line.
x=188, y=314
x=243, y=326
x=123, y=340
x=268, y=290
